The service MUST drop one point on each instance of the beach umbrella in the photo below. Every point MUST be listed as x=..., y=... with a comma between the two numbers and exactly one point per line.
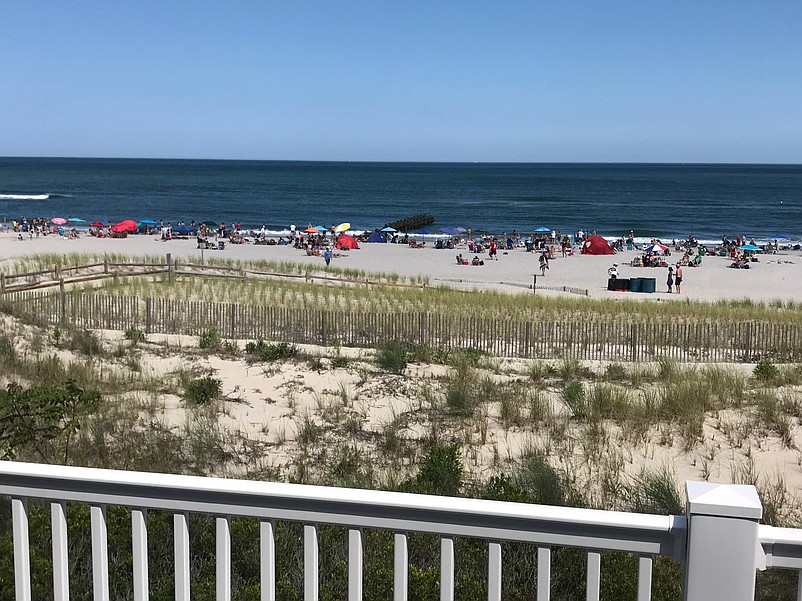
x=320, y=228
x=542, y=229
x=125, y=226
x=209, y=223
x=423, y=232
x=76, y=220
x=147, y=222
x=450, y=230
x=343, y=227
x=750, y=248
x=777, y=237
x=311, y=230
x=389, y=229
x=58, y=220
x=97, y=224
x=653, y=248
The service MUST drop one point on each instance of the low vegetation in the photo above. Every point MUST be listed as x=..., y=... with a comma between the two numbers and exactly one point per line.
x=398, y=417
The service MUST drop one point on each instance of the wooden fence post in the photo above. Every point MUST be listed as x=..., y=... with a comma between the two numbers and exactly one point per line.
x=63, y=300
x=2, y=283
x=232, y=326
x=169, y=267
x=323, y=315
x=634, y=336
x=147, y=315
x=528, y=339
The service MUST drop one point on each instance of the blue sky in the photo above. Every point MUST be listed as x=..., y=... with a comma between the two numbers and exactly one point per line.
x=680, y=81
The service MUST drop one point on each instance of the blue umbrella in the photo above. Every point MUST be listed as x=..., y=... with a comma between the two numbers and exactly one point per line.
x=750, y=247
x=389, y=229
x=450, y=230
x=76, y=220
x=423, y=232
x=320, y=228
x=542, y=229
x=777, y=237
x=147, y=222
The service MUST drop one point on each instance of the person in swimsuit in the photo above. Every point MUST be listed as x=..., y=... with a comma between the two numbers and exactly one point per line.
x=678, y=278
x=670, y=280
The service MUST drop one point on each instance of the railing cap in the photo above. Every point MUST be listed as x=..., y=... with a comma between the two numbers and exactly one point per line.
x=725, y=500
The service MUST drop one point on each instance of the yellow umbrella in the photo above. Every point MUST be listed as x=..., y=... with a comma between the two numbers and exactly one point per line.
x=343, y=227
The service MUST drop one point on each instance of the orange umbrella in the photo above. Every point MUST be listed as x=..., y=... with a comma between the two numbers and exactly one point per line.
x=311, y=230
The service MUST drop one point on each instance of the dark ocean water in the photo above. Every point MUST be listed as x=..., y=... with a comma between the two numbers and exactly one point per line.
x=665, y=201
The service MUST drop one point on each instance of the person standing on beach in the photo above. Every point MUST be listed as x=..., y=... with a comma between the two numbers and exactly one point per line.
x=544, y=263
x=678, y=277
x=493, y=249
x=327, y=255
x=670, y=280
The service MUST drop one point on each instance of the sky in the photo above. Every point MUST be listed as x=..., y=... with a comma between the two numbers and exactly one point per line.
x=518, y=81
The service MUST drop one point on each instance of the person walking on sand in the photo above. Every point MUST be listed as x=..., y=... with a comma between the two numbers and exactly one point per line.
x=678, y=277
x=327, y=256
x=670, y=280
x=544, y=263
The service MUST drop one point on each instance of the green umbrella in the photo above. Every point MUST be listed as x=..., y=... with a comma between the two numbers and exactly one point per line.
x=210, y=223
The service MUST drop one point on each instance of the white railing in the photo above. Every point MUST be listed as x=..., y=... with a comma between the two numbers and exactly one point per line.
x=713, y=540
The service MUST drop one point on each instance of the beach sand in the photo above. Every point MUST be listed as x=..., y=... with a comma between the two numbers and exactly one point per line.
x=270, y=404
x=774, y=277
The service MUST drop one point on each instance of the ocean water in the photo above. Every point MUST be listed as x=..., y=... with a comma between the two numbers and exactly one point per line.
x=653, y=200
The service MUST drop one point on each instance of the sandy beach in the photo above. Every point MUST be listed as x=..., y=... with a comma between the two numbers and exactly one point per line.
x=774, y=277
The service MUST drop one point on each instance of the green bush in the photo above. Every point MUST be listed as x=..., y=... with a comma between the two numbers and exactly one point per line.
x=392, y=357
x=210, y=340
x=576, y=400
x=765, y=371
x=203, y=391
x=85, y=342
x=263, y=351
x=7, y=351
x=135, y=336
x=339, y=362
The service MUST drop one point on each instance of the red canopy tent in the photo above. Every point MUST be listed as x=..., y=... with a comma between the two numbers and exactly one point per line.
x=596, y=245
x=124, y=226
x=346, y=242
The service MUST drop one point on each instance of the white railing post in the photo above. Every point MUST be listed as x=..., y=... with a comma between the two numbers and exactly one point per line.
x=22, y=550
x=722, y=544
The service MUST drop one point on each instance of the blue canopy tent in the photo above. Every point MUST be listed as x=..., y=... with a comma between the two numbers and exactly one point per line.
x=183, y=230
x=377, y=237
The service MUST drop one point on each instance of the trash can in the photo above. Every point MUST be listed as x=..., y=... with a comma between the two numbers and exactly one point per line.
x=611, y=284
x=622, y=284
x=634, y=284
x=648, y=284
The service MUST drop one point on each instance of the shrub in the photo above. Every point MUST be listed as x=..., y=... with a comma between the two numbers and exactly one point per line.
x=441, y=472
x=85, y=342
x=574, y=397
x=203, y=391
x=339, y=362
x=135, y=336
x=210, y=340
x=7, y=351
x=263, y=351
x=765, y=371
x=392, y=357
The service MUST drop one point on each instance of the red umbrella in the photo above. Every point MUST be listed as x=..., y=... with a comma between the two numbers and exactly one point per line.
x=125, y=226
x=346, y=242
x=97, y=224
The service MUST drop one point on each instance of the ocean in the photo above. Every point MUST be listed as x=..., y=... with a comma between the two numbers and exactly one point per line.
x=653, y=200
